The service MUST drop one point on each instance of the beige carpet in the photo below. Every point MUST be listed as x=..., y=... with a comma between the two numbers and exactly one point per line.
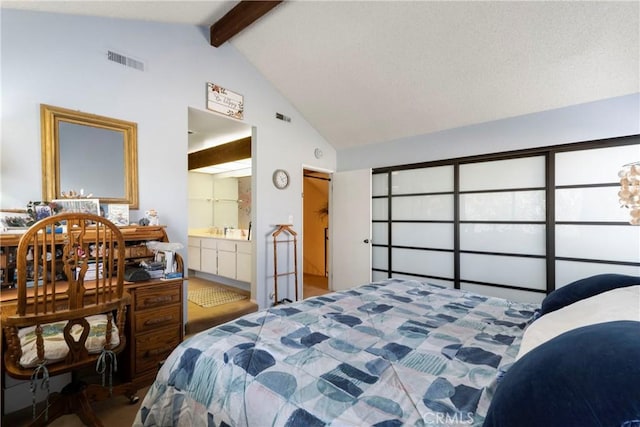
x=313, y=286
x=214, y=295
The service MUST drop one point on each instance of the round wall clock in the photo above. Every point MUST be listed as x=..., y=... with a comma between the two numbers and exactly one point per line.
x=280, y=178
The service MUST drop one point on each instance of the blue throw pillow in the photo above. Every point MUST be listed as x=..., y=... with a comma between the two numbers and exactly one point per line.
x=588, y=376
x=585, y=288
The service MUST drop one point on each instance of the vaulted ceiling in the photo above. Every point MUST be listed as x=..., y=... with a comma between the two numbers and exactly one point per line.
x=364, y=72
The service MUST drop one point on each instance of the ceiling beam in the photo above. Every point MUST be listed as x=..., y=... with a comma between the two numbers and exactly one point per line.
x=235, y=150
x=237, y=19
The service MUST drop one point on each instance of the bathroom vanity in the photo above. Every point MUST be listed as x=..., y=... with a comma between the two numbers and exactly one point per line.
x=228, y=257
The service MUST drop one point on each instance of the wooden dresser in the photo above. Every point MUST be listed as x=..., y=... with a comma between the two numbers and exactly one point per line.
x=154, y=322
x=154, y=326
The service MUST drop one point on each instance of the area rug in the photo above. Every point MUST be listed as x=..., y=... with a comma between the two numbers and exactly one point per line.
x=212, y=296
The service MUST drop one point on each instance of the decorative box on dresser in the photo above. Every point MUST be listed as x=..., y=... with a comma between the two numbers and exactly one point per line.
x=154, y=325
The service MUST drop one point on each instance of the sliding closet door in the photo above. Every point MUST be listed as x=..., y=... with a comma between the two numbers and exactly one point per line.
x=380, y=225
x=422, y=216
x=502, y=228
x=593, y=234
x=515, y=225
x=413, y=227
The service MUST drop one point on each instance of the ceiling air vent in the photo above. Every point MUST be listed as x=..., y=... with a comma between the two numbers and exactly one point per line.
x=125, y=60
x=282, y=117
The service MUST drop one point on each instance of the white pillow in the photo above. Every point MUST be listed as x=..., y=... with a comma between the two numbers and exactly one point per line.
x=55, y=347
x=617, y=304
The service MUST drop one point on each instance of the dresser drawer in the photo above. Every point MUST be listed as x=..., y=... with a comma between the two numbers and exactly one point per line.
x=158, y=296
x=243, y=247
x=226, y=245
x=210, y=243
x=137, y=251
x=152, y=348
x=152, y=319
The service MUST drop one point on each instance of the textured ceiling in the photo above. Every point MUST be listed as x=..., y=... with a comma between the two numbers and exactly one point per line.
x=366, y=72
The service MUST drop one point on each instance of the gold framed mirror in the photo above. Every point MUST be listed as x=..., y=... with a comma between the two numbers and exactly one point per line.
x=85, y=152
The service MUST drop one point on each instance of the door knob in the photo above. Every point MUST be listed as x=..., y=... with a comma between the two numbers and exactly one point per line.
x=366, y=240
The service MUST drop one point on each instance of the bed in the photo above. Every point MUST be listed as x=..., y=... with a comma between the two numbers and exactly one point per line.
x=389, y=353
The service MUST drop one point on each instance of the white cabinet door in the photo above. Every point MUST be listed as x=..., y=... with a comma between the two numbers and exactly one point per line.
x=209, y=256
x=227, y=264
x=243, y=261
x=209, y=260
x=227, y=258
x=193, y=252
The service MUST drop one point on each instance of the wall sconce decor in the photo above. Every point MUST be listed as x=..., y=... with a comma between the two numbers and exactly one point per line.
x=630, y=190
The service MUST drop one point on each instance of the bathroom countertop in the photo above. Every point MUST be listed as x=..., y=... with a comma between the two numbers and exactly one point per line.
x=216, y=236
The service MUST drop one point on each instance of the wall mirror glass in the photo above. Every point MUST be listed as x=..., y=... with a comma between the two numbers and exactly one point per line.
x=85, y=152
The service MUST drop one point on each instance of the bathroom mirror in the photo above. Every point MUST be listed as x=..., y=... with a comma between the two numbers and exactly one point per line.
x=86, y=152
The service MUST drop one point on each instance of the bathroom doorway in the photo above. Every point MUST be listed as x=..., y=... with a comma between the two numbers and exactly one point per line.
x=219, y=198
x=315, y=265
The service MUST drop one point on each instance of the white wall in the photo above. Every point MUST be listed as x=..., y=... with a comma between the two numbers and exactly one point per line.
x=61, y=60
x=607, y=118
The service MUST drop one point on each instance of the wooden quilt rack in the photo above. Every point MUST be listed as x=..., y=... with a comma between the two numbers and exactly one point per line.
x=286, y=230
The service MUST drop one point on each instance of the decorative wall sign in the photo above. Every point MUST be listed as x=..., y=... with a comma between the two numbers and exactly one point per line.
x=224, y=101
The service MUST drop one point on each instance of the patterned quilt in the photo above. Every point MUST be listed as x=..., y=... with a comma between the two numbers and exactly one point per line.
x=389, y=353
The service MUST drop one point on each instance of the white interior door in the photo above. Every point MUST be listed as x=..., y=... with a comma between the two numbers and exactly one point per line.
x=350, y=229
